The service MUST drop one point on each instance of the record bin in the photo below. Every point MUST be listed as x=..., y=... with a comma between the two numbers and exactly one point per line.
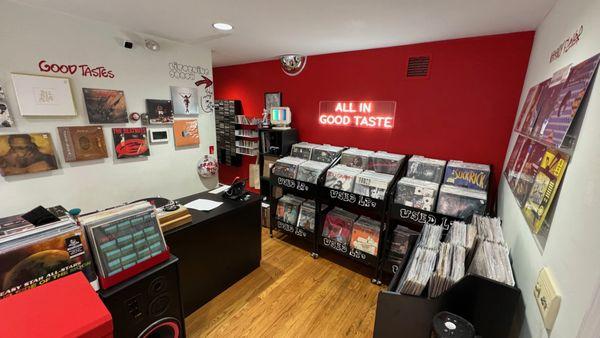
x=362, y=206
x=495, y=309
x=301, y=189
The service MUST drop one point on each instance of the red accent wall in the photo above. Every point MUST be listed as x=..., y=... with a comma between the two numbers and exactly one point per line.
x=464, y=110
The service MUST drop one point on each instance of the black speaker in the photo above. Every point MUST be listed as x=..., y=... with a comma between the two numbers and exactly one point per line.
x=148, y=305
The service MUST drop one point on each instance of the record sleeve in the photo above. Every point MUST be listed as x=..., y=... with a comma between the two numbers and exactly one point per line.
x=42, y=254
x=325, y=153
x=467, y=175
x=372, y=184
x=416, y=193
x=531, y=107
x=426, y=169
x=365, y=235
x=131, y=142
x=303, y=150
x=385, y=163
x=557, y=122
x=544, y=188
x=306, y=219
x=356, y=158
x=338, y=225
x=310, y=171
x=82, y=143
x=461, y=202
x=287, y=167
x=531, y=159
x=341, y=177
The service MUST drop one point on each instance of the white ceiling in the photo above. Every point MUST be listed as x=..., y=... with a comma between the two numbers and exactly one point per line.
x=265, y=29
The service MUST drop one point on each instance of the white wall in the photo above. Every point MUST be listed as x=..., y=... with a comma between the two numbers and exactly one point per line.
x=28, y=35
x=573, y=248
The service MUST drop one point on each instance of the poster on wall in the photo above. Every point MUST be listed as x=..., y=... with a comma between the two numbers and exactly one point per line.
x=26, y=153
x=159, y=112
x=6, y=120
x=131, y=142
x=547, y=180
x=105, y=105
x=185, y=100
x=43, y=95
x=82, y=143
x=186, y=133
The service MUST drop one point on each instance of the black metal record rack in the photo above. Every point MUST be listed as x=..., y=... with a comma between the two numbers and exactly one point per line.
x=362, y=205
x=301, y=189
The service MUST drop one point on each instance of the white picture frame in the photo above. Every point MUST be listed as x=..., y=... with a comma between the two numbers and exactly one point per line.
x=159, y=135
x=43, y=95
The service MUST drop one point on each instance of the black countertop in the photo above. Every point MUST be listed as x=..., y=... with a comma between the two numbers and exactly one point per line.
x=198, y=217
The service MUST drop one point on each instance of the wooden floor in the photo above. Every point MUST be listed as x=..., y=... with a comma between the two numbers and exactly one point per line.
x=290, y=295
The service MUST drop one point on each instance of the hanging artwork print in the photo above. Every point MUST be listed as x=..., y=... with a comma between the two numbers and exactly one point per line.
x=6, y=120
x=186, y=133
x=82, y=143
x=185, y=100
x=130, y=142
x=43, y=95
x=159, y=112
x=105, y=105
x=26, y=153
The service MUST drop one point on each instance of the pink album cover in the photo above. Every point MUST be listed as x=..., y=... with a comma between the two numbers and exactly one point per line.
x=531, y=107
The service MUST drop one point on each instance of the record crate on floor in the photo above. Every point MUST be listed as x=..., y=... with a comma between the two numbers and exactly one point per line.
x=494, y=309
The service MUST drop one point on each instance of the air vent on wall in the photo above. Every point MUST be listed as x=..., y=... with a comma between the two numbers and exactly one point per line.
x=418, y=67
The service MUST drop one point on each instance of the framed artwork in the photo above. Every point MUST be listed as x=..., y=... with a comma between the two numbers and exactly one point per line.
x=26, y=153
x=185, y=100
x=159, y=135
x=6, y=120
x=43, y=95
x=82, y=143
x=186, y=133
x=159, y=112
x=131, y=142
x=105, y=105
x=272, y=100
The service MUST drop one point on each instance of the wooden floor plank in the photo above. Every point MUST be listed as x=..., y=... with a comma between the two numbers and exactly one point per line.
x=290, y=295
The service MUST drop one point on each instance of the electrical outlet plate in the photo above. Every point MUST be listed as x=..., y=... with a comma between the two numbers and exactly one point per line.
x=547, y=298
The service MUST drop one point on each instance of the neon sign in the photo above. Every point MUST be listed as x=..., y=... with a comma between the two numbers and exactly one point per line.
x=360, y=114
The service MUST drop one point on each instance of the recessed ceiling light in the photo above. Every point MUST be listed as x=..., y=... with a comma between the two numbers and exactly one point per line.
x=223, y=26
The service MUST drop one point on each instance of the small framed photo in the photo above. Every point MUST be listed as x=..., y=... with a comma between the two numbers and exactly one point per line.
x=272, y=100
x=159, y=135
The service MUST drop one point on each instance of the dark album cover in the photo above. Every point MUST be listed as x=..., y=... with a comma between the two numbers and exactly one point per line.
x=426, y=169
x=416, y=194
x=512, y=160
x=82, y=143
x=531, y=108
x=131, y=142
x=531, y=157
x=562, y=111
x=26, y=153
x=105, y=105
x=461, y=202
x=338, y=226
x=159, y=111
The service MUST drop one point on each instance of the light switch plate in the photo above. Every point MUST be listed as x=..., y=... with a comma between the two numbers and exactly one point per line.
x=547, y=297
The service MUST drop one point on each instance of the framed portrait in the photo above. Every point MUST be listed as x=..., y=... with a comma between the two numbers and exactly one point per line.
x=43, y=95
x=272, y=100
x=159, y=135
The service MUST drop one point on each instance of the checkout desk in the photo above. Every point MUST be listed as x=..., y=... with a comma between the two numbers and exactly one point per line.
x=218, y=248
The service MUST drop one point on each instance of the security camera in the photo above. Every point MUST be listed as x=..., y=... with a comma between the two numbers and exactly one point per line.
x=128, y=44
